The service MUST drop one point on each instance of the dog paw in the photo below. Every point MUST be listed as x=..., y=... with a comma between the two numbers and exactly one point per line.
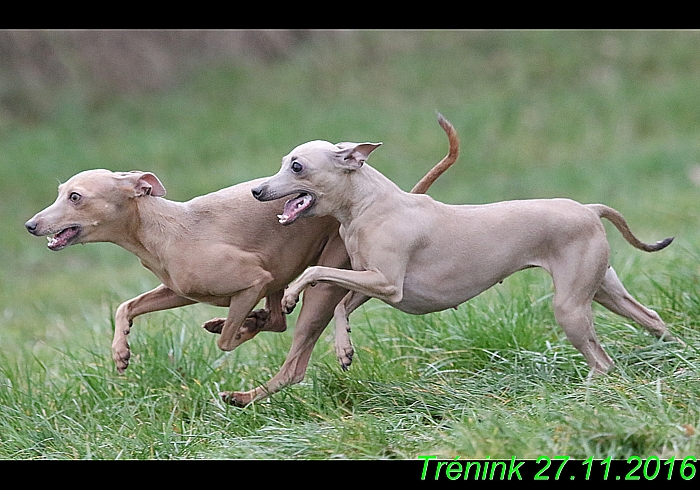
x=236, y=398
x=214, y=325
x=121, y=354
x=344, y=354
x=265, y=320
x=259, y=317
x=289, y=301
x=254, y=322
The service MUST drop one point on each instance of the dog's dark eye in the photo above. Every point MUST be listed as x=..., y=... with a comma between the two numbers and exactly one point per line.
x=75, y=197
x=297, y=167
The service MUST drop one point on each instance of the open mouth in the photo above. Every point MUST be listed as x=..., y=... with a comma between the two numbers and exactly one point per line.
x=295, y=207
x=63, y=238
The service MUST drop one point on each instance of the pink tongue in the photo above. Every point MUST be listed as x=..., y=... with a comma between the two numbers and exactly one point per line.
x=61, y=239
x=293, y=207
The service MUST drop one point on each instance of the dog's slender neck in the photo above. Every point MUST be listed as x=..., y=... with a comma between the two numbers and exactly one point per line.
x=153, y=224
x=367, y=187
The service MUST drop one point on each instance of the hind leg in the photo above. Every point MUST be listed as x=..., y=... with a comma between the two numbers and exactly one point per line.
x=577, y=322
x=613, y=295
x=269, y=319
x=316, y=312
x=575, y=283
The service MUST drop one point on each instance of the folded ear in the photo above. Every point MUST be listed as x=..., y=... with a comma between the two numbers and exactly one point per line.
x=353, y=155
x=145, y=184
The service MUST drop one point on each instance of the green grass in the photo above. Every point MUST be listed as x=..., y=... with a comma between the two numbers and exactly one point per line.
x=595, y=116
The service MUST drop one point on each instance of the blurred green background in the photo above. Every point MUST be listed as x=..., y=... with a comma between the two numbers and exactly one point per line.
x=599, y=116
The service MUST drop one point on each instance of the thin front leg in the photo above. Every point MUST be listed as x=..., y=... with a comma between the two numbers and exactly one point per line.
x=316, y=311
x=160, y=298
x=369, y=283
x=343, y=346
x=240, y=306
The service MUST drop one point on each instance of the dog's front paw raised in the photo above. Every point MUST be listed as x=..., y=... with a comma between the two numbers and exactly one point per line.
x=121, y=354
x=289, y=301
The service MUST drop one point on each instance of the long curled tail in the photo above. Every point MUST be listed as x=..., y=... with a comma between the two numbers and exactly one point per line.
x=424, y=183
x=619, y=221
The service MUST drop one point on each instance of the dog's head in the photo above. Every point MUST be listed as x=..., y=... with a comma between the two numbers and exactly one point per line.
x=315, y=172
x=88, y=203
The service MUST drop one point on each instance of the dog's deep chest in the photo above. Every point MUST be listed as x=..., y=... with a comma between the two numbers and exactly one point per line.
x=353, y=245
x=350, y=240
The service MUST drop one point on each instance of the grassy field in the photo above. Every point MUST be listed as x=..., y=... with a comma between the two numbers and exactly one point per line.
x=610, y=117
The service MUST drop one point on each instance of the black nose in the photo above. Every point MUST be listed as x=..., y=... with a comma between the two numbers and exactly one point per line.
x=257, y=192
x=30, y=226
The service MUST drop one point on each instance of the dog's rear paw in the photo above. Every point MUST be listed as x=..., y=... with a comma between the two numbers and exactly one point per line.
x=260, y=317
x=236, y=398
x=214, y=325
x=263, y=320
x=344, y=355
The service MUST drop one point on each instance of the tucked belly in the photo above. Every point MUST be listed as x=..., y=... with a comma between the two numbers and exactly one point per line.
x=420, y=298
x=444, y=286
